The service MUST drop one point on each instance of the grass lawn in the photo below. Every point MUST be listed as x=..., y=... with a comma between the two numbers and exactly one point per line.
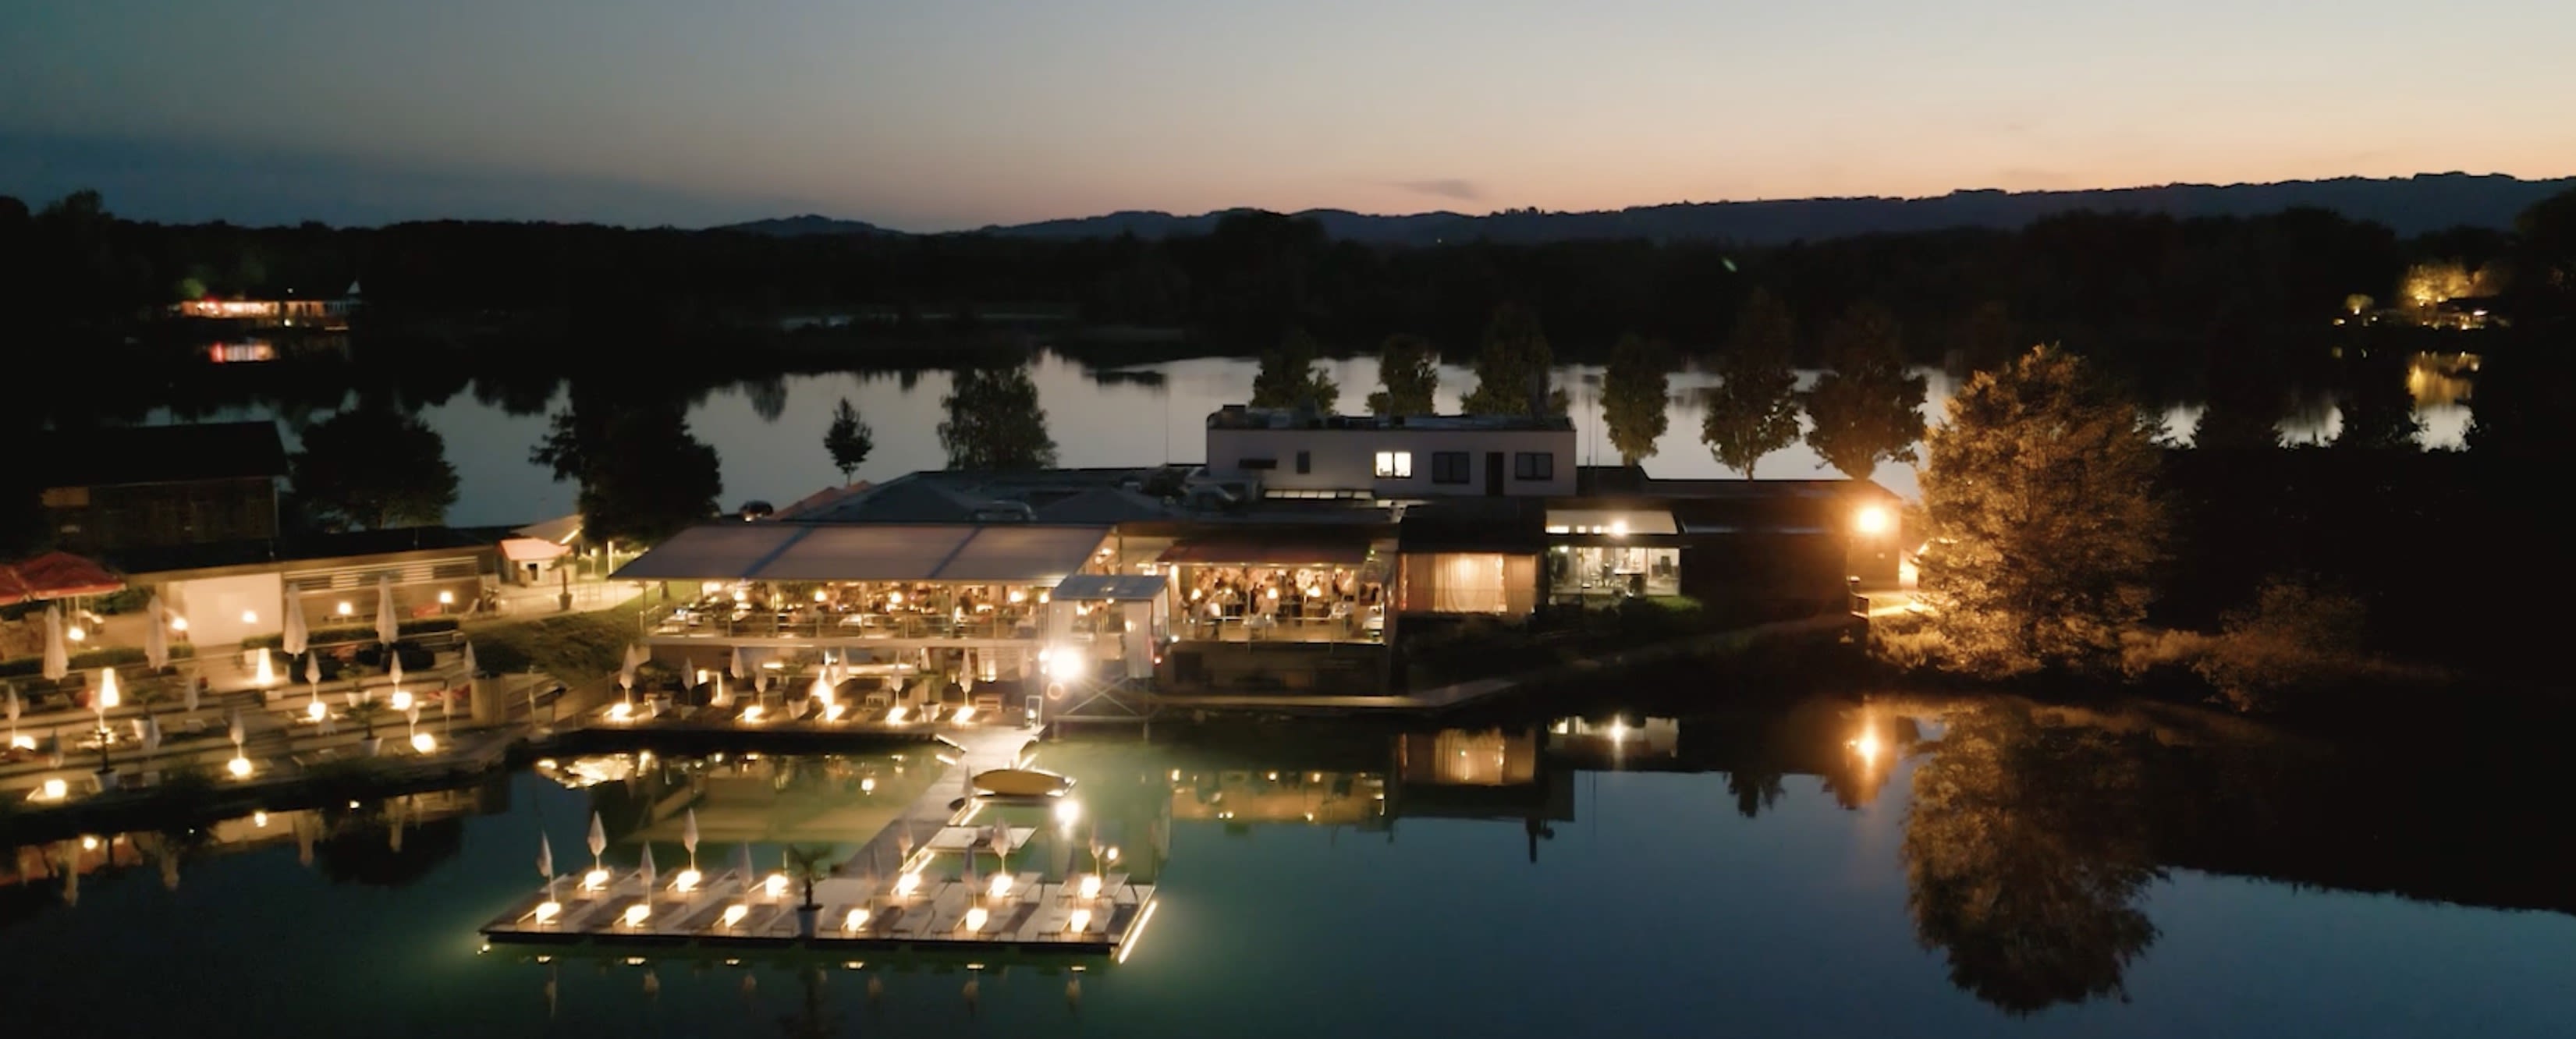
x=573, y=647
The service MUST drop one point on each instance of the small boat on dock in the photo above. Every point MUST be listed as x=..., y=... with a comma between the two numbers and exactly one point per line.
x=1021, y=782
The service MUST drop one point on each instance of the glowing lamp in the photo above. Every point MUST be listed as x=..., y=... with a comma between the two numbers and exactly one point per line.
x=819, y=596
x=1064, y=665
x=1113, y=854
x=751, y=715
x=636, y=914
x=1868, y=747
x=687, y=880
x=238, y=767
x=344, y=609
x=53, y=790
x=1079, y=922
x=447, y=598
x=594, y=880
x=179, y=624
x=964, y=714
x=76, y=633
x=1873, y=520
x=1067, y=810
x=904, y=885
x=975, y=918
x=1091, y=886
x=621, y=711
x=250, y=616
x=895, y=715
x=548, y=911
x=89, y=843
x=22, y=743
x=834, y=712
x=857, y=919
x=422, y=743
x=894, y=598
x=401, y=700
x=1000, y=886
x=868, y=785
x=776, y=885
x=259, y=819
x=315, y=710
x=733, y=914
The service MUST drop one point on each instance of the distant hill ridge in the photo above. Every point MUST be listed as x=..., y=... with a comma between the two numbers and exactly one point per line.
x=2410, y=205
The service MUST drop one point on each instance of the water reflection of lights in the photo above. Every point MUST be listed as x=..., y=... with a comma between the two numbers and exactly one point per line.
x=1067, y=810
x=1138, y=934
x=1867, y=746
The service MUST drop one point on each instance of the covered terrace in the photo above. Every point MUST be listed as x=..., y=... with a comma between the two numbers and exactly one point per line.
x=796, y=584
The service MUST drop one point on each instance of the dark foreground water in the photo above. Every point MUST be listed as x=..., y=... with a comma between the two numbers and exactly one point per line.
x=1818, y=869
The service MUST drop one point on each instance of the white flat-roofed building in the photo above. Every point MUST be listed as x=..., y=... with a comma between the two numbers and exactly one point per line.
x=1301, y=454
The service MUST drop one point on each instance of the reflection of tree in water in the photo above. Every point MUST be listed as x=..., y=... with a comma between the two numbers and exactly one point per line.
x=1754, y=790
x=2025, y=851
x=768, y=397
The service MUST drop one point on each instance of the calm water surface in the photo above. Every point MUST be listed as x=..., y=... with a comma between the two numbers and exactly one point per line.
x=1822, y=869
x=1142, y=415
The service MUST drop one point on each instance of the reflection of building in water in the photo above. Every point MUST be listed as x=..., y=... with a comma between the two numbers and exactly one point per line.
x=379, y=827
x=1461, y=757
x=1268, y=796
x=2439, y=380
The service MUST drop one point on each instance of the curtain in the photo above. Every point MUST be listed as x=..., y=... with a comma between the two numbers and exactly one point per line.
x=1468, y=582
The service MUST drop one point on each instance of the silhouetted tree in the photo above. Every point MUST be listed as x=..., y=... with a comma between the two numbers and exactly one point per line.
x=2044, y=516
x=1868, y=407
x=849, y=439
x=643, y=477
x=1636, y=396
x=372, y=468
x=1753, y=409
x=994, y=421
x=1409, y=376
x=2376, y=410
x=2025, y=855
x=1513, y=366
x=1754, y=790
x=1290, y=378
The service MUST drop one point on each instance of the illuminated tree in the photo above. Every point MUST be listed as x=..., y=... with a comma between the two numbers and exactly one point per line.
x=1290, y=378
x=1636, y=397
x=994, y=421
x=1410, y=375
x=1753, y=409
x=1513, y=366
x=848, y=440
x=372, y=468
x=1868, y=408
x=2043, y=519
x=2025, y=854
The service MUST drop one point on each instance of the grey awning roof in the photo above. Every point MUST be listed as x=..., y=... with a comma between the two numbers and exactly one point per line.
x=772, y=551
x=1100, y=587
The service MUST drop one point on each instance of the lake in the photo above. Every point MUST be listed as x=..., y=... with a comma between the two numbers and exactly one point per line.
x=1826, y=866
x=1132, y=416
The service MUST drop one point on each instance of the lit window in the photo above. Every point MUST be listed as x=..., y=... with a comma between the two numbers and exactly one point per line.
x=1395, y=465
x=1534, y=465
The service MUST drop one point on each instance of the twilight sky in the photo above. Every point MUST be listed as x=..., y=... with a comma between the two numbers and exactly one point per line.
x=940, y=114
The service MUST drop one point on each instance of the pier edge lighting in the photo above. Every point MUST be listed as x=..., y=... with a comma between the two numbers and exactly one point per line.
x=1873, y=519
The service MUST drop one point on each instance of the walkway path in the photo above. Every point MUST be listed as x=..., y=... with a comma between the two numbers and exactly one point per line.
x=883, y=856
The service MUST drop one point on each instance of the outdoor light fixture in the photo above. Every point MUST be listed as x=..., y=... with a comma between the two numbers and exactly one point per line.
x=401, y=700
x=819, y=596
x=53, y=790
x=975, y=918
x=344, y=609
x=259, y=819
x=894, y=598
x=547, y=911
x=868, y=785
x=421, y=741
x=1091, y=885
x=1000, y=886
x=315, y=710
x=178, y=623
x=895, y=715
x=964, y=714
x=1113, y=854
x=776, y=885
x=1873, y=519
x=687, y=881
x=239, y=767
x=1079, y=922
x=447, y=598
x=89, y=843
x=250, y=616
x=1064, y=665
x=1067, y=810
x=621, y=711
x=904, y=885
x=635, y=914
x=594, y=880
x=751, y=715
x=76, y=633
x=733, y=914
